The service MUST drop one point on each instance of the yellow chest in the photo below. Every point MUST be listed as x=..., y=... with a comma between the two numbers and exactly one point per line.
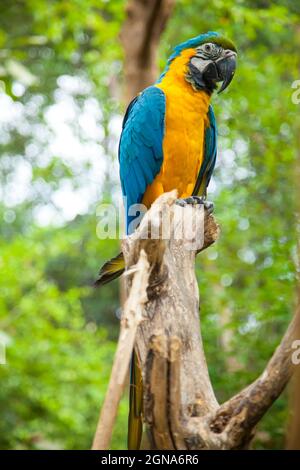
x=183, y=144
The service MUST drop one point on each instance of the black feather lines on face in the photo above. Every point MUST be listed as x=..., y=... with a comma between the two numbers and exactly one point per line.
x=195, y=78
x=209, y=51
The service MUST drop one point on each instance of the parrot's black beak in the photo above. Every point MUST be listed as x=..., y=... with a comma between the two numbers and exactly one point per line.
x=205, y=74
x=226, y=68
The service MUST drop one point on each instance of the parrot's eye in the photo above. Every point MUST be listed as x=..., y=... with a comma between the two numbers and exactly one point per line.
x=208, y=51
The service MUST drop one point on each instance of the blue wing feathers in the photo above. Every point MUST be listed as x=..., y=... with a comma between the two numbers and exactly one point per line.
x=211, y=144
x=141, y=143
x=141, y=146
x=210, y=155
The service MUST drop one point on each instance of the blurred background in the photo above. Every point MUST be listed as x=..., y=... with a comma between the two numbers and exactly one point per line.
x=62, y=97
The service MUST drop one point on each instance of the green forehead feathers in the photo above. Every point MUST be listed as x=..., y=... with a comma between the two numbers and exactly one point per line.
x=223, y=42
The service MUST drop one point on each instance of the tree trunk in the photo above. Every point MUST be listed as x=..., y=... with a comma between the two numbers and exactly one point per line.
x=145, y=22
x=161, y=320
x=180, y=408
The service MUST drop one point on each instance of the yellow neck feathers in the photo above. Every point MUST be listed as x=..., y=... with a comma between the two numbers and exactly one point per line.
x=185, y=123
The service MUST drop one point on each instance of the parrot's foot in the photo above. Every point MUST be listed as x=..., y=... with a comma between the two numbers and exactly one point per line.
x=195, y=200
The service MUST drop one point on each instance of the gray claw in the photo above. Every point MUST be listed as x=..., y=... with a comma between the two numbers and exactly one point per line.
x=198, y=200
x=208, y=205
x=190, y=200
x=180, y=202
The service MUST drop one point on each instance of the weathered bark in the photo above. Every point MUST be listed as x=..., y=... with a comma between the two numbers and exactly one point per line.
x=180, y=408
x=145, y=22
x=173, y=305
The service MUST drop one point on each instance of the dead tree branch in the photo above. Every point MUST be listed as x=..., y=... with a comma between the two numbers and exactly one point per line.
x=131, y=318
x=180, y=408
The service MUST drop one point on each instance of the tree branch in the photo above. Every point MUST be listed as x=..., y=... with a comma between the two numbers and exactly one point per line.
x=181, y=410
x=131, y=318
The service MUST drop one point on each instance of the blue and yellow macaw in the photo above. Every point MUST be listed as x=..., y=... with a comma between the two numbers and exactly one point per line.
x=169, y=141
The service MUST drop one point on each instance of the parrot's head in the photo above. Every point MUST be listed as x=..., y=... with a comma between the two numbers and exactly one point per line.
x=205, y=61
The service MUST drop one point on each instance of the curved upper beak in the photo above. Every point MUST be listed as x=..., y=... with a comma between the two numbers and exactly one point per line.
x=226, y=67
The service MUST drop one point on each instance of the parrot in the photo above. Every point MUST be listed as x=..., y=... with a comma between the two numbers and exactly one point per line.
x=169, y=141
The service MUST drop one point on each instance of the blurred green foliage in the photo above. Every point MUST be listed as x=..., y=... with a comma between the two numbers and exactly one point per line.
x=60, y=333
